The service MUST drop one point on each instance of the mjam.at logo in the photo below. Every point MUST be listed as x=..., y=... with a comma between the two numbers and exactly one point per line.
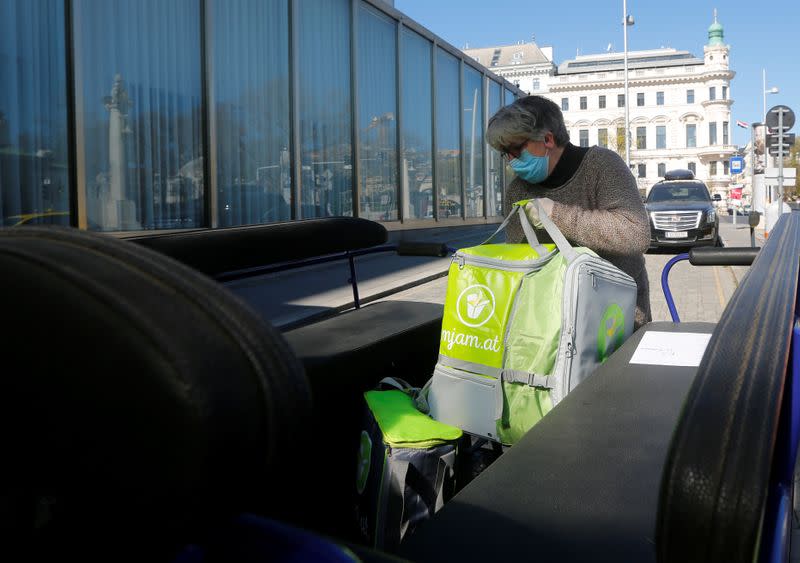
x=475, y=305
x=611, y=332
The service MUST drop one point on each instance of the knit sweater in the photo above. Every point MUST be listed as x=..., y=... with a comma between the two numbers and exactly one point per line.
x=598, y=207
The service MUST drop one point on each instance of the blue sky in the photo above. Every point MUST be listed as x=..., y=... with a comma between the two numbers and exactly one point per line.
x=761, y=35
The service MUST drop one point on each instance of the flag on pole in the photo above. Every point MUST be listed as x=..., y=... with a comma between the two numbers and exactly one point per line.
x=742, y=124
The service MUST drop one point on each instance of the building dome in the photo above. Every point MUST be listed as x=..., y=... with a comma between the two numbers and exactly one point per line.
x=715, y=32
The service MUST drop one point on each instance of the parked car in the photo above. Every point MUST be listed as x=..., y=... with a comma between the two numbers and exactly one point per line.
x=740, y=209
x=681, y=212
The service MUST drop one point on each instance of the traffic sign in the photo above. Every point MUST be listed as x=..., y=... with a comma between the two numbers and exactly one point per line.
x=773, y=151
x=773, y=140
x=773, y=113
x=737, y=164
x=772, y=172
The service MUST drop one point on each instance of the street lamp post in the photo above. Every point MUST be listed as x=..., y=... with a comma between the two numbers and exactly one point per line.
x=765, y=91
x=626, y=21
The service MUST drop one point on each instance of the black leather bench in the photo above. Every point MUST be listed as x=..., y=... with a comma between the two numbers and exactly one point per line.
x=343, y=355
x=583, y=484
x=653, y=463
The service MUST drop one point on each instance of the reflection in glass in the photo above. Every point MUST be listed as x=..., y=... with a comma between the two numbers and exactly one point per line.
x=417, y=175
x=250, y=99
x=473, y=140
x=324, y=107
x=140, y=113
x=448, y=150
x=495, y=192
x=509, y=97
x=34, y=178
x=377, y=100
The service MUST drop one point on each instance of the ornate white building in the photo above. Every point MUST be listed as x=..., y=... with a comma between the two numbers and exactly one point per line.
x=680, y=105
x=527, y=65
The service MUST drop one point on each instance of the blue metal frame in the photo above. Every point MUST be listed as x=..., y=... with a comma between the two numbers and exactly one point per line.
x=665, y=285
x=778, y=513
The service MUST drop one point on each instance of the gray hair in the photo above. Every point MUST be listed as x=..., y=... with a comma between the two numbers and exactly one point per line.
x=527, y=118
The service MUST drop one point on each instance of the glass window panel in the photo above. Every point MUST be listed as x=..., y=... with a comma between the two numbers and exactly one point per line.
x=724, y=92
x=712, y=93
x=250, y=101
x=691, y=135
x=473, y=140
x=640, y=99
x=620, y=100
x=583, y=136
x=583, y=102
x=660, y=98
x=661, y=136
x=601, y=102
x=34, y=175
x=602, y=137
x=564, y=104
x=416, y=126
x=689, y=96
x=324, y=108
x=140, y=113
x=693, y=167
x=725, y=132
x=662, y=169
x=377, y=100
x=642, y=170
x=448, y=150
x=509, y=97
x=496, y=165
x=712, y=133
x=641, y=137
x=712, y=167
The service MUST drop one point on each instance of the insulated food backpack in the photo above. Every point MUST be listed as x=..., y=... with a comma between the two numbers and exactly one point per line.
x=523, y=325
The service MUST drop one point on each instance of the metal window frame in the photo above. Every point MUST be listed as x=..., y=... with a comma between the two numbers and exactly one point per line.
x=355, y=134
x=434, y=137
x=76, y=198
x=295, y=159
x=209, y=125
x=400, y=150
x=76, y=143
x=461, y=144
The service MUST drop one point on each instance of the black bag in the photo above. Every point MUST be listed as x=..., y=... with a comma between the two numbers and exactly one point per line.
x=406, y=466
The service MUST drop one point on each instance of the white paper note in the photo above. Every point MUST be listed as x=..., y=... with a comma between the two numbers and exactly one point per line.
x=671, y=348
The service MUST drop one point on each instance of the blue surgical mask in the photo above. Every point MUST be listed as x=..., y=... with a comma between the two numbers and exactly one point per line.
x=530, y=168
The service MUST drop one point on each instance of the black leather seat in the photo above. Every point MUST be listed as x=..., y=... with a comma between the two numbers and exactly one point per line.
x=142, y=404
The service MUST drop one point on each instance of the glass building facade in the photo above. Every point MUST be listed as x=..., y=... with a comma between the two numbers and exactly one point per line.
x=133, y=115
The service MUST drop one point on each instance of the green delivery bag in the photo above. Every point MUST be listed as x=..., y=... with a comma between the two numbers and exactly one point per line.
x=523, y=325
x=406, y=465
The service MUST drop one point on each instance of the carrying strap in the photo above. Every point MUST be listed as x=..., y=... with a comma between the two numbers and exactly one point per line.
x=419, y=396
x=530, y=234
x=561, y=242
x=397, y=383
x=531, y=379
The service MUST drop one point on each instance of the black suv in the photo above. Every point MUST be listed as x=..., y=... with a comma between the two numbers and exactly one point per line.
x=681, y=212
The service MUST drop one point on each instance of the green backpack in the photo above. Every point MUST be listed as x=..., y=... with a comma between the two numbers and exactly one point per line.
x=523, y=325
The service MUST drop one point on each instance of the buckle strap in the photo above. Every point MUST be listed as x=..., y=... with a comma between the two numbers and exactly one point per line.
x=531, y=379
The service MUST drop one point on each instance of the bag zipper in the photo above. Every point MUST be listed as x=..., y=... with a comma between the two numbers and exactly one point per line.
x=504, y=265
